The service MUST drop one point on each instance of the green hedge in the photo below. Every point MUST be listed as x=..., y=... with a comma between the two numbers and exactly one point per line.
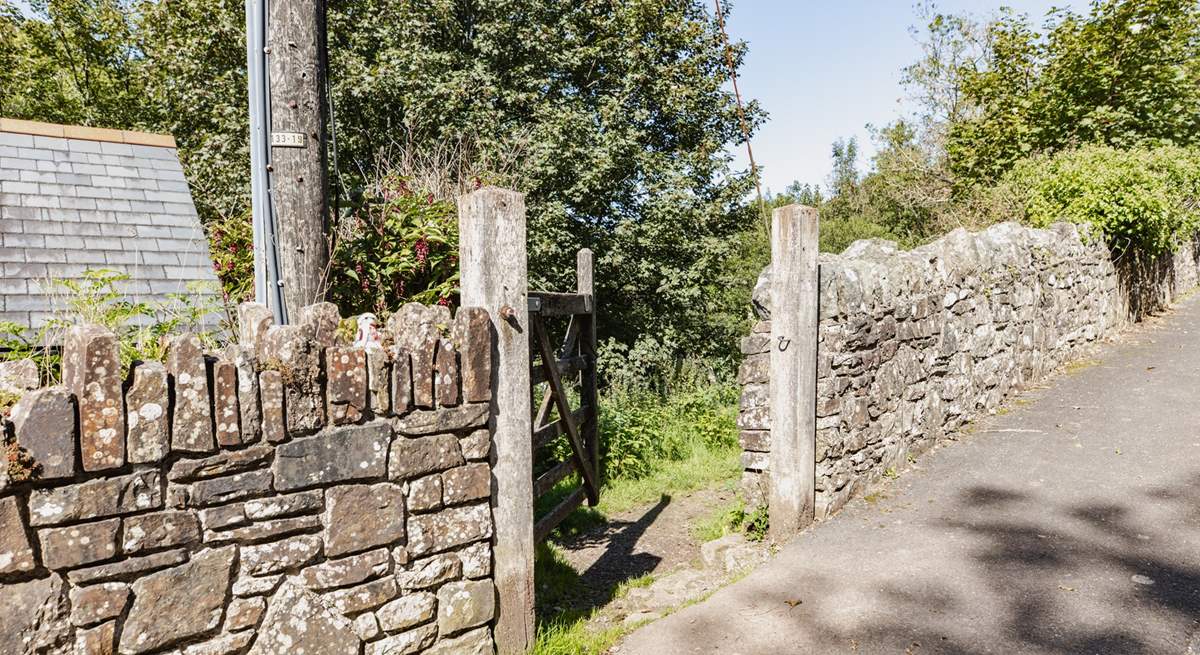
x=1144, y=199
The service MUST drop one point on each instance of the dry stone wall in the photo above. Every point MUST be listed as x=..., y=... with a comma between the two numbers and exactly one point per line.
x=289, y=494
x=914, y=344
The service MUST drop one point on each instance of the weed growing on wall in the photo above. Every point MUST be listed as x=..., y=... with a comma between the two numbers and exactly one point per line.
x=99, y=297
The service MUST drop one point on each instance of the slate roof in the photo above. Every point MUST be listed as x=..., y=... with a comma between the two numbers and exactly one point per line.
x=75, y=198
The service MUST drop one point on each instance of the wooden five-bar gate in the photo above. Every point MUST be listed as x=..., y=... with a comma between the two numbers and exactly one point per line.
x=574, y=360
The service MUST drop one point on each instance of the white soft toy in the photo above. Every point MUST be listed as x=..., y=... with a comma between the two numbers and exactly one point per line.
x=368, y=336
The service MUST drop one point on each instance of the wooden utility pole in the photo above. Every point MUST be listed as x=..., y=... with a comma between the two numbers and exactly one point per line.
x=299, y=181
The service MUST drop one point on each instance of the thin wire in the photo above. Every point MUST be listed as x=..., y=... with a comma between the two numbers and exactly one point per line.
x=741, y=110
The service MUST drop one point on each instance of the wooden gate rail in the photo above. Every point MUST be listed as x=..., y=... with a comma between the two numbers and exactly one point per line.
x=575, y=357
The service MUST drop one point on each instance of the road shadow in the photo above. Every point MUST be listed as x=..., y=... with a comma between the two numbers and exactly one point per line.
x=1069, y=579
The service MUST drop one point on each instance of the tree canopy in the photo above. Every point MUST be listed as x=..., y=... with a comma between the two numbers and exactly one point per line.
x=612, y=116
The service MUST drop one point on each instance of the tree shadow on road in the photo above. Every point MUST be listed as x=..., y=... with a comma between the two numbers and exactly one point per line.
x=1069, y=579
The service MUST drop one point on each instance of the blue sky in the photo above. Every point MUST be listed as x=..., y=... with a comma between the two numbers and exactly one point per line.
x=824, y=69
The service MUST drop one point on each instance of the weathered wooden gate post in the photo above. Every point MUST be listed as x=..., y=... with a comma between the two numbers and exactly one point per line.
x=793, y=379
x=588, y=395
x=494, y=276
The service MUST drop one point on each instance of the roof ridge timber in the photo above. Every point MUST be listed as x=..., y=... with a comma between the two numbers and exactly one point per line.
x=18, y=126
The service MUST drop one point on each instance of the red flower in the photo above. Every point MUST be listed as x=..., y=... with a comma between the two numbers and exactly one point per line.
x=444, y=302
x=422, y=250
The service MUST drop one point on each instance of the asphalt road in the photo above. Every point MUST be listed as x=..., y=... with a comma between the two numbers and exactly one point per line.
x=1068, y=525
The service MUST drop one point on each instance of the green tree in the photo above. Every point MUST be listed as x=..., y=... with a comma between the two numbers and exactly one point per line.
x=1126, y=74
x=612, y=117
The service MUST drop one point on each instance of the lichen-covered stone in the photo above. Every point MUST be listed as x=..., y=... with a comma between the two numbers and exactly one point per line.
x=17, y=377
x=191, y=417
x=364, y=597
x=192, y=595
x=405, y=643
x=226, y=414
x=77, y=545
x=100, y=640
x=266, y=559
x=298, y=360
x=236, y=461
x=248, y=586
x=98, y=603
x=304, y=502
x=425, y=494
x=347, y=571
x=35, y=616
x=429, y=571
x=366, y=626
x=418, y=331
x=472, y=333
x=298, y=622
x=475, y=642
x=16, y=553
x=445, y=374
x=159, y=530
x=466, y=483
x=97, y=498
x=225, y=644
x=127, y=567
x=91, y=369
x=411, y=458
x=449, y=419
x=402, y=399
x=465, y=604
x=346, y=388
x=254, y=319
x=379, y=381
x=340, y=455
x=244, y=613
x=148, y=436
x=477, y=445
x=407, y=611
x=233, y=487
x=250, y=414
x=274, y=424
x=455, y=526
x=476, y=560
x=264, y=530
x=358, y=517
x=44, y=425
x=320, y=321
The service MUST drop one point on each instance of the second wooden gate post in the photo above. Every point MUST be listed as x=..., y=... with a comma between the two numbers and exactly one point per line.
x=585, y=283
x=793, y=378
x=491, y=224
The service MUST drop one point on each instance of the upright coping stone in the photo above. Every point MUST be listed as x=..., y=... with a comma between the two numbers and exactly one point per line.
x=91, y=369
x=44, y=424
x=191, y=422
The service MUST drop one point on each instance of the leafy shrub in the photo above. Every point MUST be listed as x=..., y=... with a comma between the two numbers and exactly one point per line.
x=631, y=428
x=231, y=244
x=1144, y=199
x=639, y=429
x=400, y=245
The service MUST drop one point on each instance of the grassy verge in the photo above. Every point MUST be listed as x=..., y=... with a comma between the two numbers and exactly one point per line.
x=652, y=446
